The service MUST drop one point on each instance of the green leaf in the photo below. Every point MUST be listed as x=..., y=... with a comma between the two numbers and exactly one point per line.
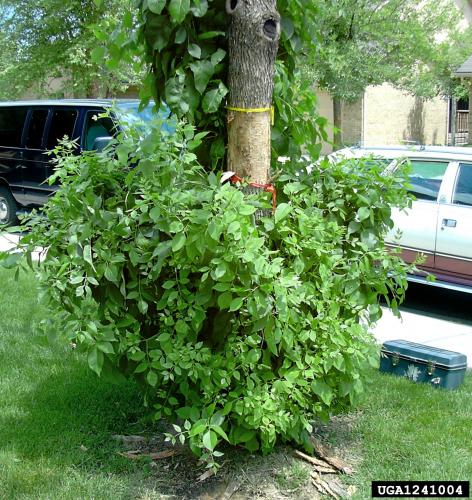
x=218, y=56
x=353, y=227
x=363, y=213
x=11, y=260
x=143, y=306
x=369, y=238
x=194, y=50
x=142, y=367
x=202, y=73
x=87, y=254
x=210, y=439
x=147, y=167
x=212, y=100
x=151, y=378
x=155, y=214
x=214, y=229
x=128, y=20
x=288, y=28
x=156, y=6
x=221, y=432
x=98, y=54
x=217, y=419
x=236, y=304
x=181, y=35
x=234, y=227
x=178, y=10
x=225, y=300
x=211, y=34
x=95, y=360
x=75, y=280
x=106, y=347
x=243, y=435
x=282, y=211
x=199, y=7
x=178, y=242
x=197, y=428
x=247, y=209
x=323, y=390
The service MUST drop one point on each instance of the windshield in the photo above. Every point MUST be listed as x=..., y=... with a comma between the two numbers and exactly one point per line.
x=130, y=115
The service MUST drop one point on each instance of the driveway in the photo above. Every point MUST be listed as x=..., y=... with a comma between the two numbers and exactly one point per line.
x=432, y=316
x=9, y=241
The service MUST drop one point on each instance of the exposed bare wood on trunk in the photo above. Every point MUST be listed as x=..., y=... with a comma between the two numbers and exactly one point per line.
x=253, y=42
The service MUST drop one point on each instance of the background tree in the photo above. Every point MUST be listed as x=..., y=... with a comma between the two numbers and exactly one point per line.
x=44, y=40
x=362, y=43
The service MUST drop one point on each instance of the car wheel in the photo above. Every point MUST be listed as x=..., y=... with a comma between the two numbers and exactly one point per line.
x=7, y=208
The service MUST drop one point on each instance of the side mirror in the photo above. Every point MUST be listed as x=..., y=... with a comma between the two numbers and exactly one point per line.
x=100, y=143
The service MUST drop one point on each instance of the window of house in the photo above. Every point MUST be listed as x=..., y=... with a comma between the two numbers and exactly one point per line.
x=463, y=190
x=96, y=126
x=34, y=140
x=425, y=178
x=12, y=121
x=62, y=125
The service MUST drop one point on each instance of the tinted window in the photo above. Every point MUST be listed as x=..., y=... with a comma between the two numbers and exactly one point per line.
x=96, y=126
x=463, y=191
x=12, y=121
x=62, y=124
x=426, y=177
x=34, y=139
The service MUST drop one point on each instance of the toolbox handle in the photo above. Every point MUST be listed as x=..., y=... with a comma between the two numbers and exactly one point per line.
x=395, y=358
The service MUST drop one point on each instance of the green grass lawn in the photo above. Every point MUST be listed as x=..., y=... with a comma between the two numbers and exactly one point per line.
x=57, y=419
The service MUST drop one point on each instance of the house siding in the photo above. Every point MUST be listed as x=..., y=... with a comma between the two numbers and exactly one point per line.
x=395, y=117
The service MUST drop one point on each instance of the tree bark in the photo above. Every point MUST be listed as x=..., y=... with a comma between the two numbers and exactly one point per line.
x=254, y=34
x=338, y=123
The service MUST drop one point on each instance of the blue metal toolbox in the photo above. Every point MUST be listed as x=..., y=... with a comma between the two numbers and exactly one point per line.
x=422, y=363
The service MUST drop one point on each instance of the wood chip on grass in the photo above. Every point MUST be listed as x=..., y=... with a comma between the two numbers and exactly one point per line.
x=158, y=455
x=326, y=463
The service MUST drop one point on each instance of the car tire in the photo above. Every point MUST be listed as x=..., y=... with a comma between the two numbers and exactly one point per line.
x=8, y=208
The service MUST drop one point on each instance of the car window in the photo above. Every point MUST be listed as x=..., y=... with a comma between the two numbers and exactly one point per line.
x=426, y=177
x=62, y=124
x=463, y=189
x=96, y=126
x=12, y=121
x=131, y=116
x=34, y=139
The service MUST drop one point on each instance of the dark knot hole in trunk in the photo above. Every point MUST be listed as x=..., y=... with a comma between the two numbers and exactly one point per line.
x=270, y=29
x=231, y=6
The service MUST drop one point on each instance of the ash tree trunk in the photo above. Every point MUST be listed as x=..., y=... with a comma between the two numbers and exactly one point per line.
x=254, y=34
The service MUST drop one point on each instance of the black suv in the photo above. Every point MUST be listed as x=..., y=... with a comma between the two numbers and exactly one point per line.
x=28, y=129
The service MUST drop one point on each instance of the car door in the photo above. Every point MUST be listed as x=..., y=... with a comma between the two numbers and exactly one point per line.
x=415, y=228
x=454, y=234
x=62, y=123
x=12, y=121
x=35, y=159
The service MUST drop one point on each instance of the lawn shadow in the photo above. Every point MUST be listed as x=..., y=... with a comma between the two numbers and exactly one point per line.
x=69, y=417
x=71, y=402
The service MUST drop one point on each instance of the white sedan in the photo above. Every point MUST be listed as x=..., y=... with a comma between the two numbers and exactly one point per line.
x=439, y=223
